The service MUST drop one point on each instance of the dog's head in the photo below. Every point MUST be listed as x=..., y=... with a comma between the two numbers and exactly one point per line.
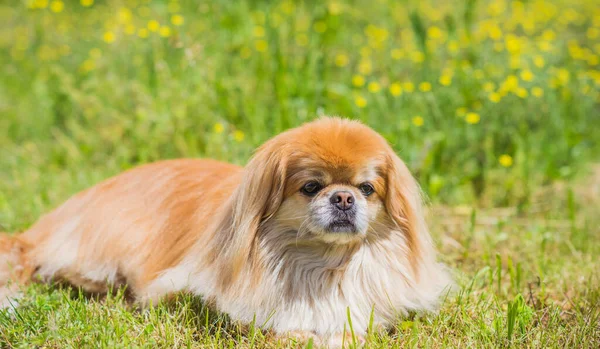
x=333, y=181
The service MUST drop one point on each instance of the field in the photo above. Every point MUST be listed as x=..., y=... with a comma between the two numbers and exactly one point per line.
x=494, y=105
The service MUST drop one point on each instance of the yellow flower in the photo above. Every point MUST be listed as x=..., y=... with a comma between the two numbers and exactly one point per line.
x=445, y=80
x=397, y=53
x=425, y=86
x=153, y=25
x=418, y=121
x=259, y=31
x=358, y=80
x=472, y=118
x=40, y=4
x=57, y=6
x=435, y=32
x=86, y=3
x=461, y=111
x=495, y=97
x=408, y=86
x=95, y=53
x=238, y=135
x=360, y=101
x=417, y=56
x=374, y=87
x=521, y=92
x=489, y=86
x=365, y=51
x=143, y=33
x=395, y=89
x=538, y=61
x=320, y=26
x=109, y=37
x=87, y=65
x=365, y=67
x=593, y=33
x=125, y=15
x=261, y=45
x=335, y=8
x=526, y=75
x=219, y=128
x=341, y=60
x=563, y=75
x=511, y=83
x=177, y=20
x=165, y=31
x=505, y=160
x=537, y=91
x=173, y=7
x=129, y=29
x=302, y=39
x=453, y=46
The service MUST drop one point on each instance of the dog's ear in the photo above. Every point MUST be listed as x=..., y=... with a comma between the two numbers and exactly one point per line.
x=255, y=200
x=404, y=205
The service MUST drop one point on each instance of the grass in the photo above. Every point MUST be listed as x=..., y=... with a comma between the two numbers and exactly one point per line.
x=493, y=104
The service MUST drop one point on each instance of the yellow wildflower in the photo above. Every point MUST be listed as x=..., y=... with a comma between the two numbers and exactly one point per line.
x=302, y=39
x=472, y=118
x=505, y=160
x=521, y=92
x=526, y=75
x=418, y=121
x=177, y=20
x=153, y=25
x=109, y=37
x=360, y=101
x=164, y=31
x=537, y=91
x=143, y=33
x=408, y=86
x=87, y=65
x=341, y=60
x=238, y=135
x=397, y=54
x=495, y=97
x=395, y=89
x=218, y=128
x=365, y=67
x=445, y=80
x=261, y=45
x=86, y=3
x=538, y=61
x=57, y=6
x=374, y=87
x=358, y=80
x=258, y=31
x=425, y=86
x=320, y=26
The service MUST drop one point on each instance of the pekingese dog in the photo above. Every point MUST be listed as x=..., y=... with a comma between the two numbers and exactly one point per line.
x=324, y=219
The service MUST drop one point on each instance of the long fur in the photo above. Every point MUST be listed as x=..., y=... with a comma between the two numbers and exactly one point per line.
x=242, y=237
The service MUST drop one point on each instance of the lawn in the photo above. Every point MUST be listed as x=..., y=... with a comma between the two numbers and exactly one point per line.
x=494, y=106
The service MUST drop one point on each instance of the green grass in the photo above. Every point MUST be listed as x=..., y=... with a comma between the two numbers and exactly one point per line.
x=491, y=103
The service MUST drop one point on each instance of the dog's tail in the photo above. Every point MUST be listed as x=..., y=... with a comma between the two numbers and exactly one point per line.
x=15, y=269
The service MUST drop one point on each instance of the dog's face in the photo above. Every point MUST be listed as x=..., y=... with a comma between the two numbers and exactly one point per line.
x=333, y=195
x=332, y=180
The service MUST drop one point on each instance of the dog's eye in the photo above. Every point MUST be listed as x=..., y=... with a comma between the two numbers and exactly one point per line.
x=366, y=188
x=311, y=188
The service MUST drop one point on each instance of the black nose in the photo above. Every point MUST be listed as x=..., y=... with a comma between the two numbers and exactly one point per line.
x=342, y=200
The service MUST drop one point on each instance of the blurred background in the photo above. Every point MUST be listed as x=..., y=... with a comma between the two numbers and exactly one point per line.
x=488, y=102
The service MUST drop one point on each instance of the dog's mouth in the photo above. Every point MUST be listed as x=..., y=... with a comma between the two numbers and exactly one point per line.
x=342, y=226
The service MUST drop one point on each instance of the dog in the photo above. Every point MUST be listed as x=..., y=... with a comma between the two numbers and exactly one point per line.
x=325, y=222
